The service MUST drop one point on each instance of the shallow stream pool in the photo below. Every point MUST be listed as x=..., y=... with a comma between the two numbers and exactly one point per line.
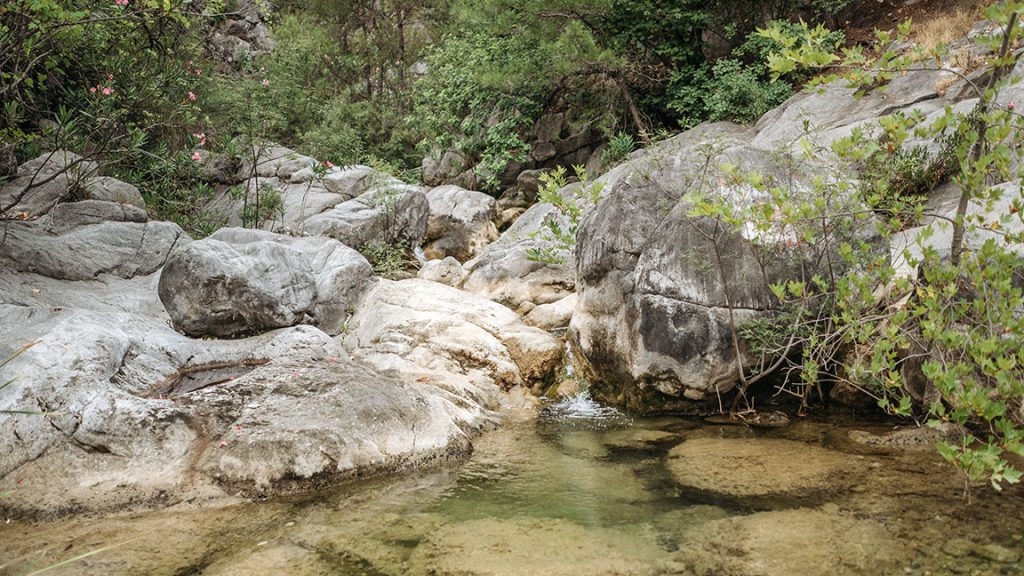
x=586, y=491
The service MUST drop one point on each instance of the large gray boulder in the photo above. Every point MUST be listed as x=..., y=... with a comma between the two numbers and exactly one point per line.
x=212, y=288
x=461, y=222
x=41, y=183
x=341, y=272
x=656, y=312
x=390, y=212
x=449, y=337
x=112, y=190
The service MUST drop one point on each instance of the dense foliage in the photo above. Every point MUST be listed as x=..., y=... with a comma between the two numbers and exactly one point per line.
x=383, y=82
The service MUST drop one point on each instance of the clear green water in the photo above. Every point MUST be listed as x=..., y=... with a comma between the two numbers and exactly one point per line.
x=558, y=496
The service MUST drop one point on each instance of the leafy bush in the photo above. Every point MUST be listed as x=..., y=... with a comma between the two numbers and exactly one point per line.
x=955, y=330
x=478, y=96
x=741, y=88
x=570, y=206
x=619, y=147
x=387, y=258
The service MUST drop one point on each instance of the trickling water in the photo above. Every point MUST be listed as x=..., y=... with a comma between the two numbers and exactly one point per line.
x=420, y=256
x=582, y=407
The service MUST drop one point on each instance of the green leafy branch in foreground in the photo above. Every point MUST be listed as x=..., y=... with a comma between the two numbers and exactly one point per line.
x=952, y=335
x=559, y=230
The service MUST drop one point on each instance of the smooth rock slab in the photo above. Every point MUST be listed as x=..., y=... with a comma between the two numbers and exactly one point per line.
x=41, y=183
x=447, y=271
x=448, y=336
x=88, y=239
x=758, y=467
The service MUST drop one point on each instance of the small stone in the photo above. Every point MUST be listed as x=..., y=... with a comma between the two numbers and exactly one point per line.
x=957, y=547
x=997, y=553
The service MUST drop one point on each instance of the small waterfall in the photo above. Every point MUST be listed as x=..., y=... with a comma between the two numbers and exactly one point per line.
x=581, y=406
x=420, y=256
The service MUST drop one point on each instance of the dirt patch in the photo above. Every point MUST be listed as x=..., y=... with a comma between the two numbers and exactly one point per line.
x=871, y=15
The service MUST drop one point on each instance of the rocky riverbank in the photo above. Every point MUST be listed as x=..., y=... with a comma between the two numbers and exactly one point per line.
x=156, y=369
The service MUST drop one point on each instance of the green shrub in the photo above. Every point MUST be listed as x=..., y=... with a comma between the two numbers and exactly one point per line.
x=619, y=147
x=570, y=206
x=387, y=258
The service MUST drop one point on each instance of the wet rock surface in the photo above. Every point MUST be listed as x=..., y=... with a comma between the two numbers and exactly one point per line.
x=755, y=468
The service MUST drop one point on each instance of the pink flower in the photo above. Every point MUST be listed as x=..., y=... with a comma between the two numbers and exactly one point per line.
x=1011, y=106
x=92, y=89
x=201, y=137
x=266, y=83
x=196, y=157
x=107, y=91
x=110, y=77
x=199, y=71
x=191, y=97
x=121, y=2
x=328, y=164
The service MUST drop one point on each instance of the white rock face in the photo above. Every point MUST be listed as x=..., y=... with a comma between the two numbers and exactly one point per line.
x=41, y=183
x=450, y=337
x=447, y=271
x=555, y=315
x=461, y=222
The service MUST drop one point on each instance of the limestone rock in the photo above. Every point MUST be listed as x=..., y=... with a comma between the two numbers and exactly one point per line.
x=112, y=190
x=461, y=222
x=447, y=271
x=41, y=183
x=211, y=288
x=389, y=213
x=554, y=315
x=341, y=273
x=84, y=240
x=656, y=284
x=261, y=414
x=444, y=168
x=505, y=273
x=416, y=326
